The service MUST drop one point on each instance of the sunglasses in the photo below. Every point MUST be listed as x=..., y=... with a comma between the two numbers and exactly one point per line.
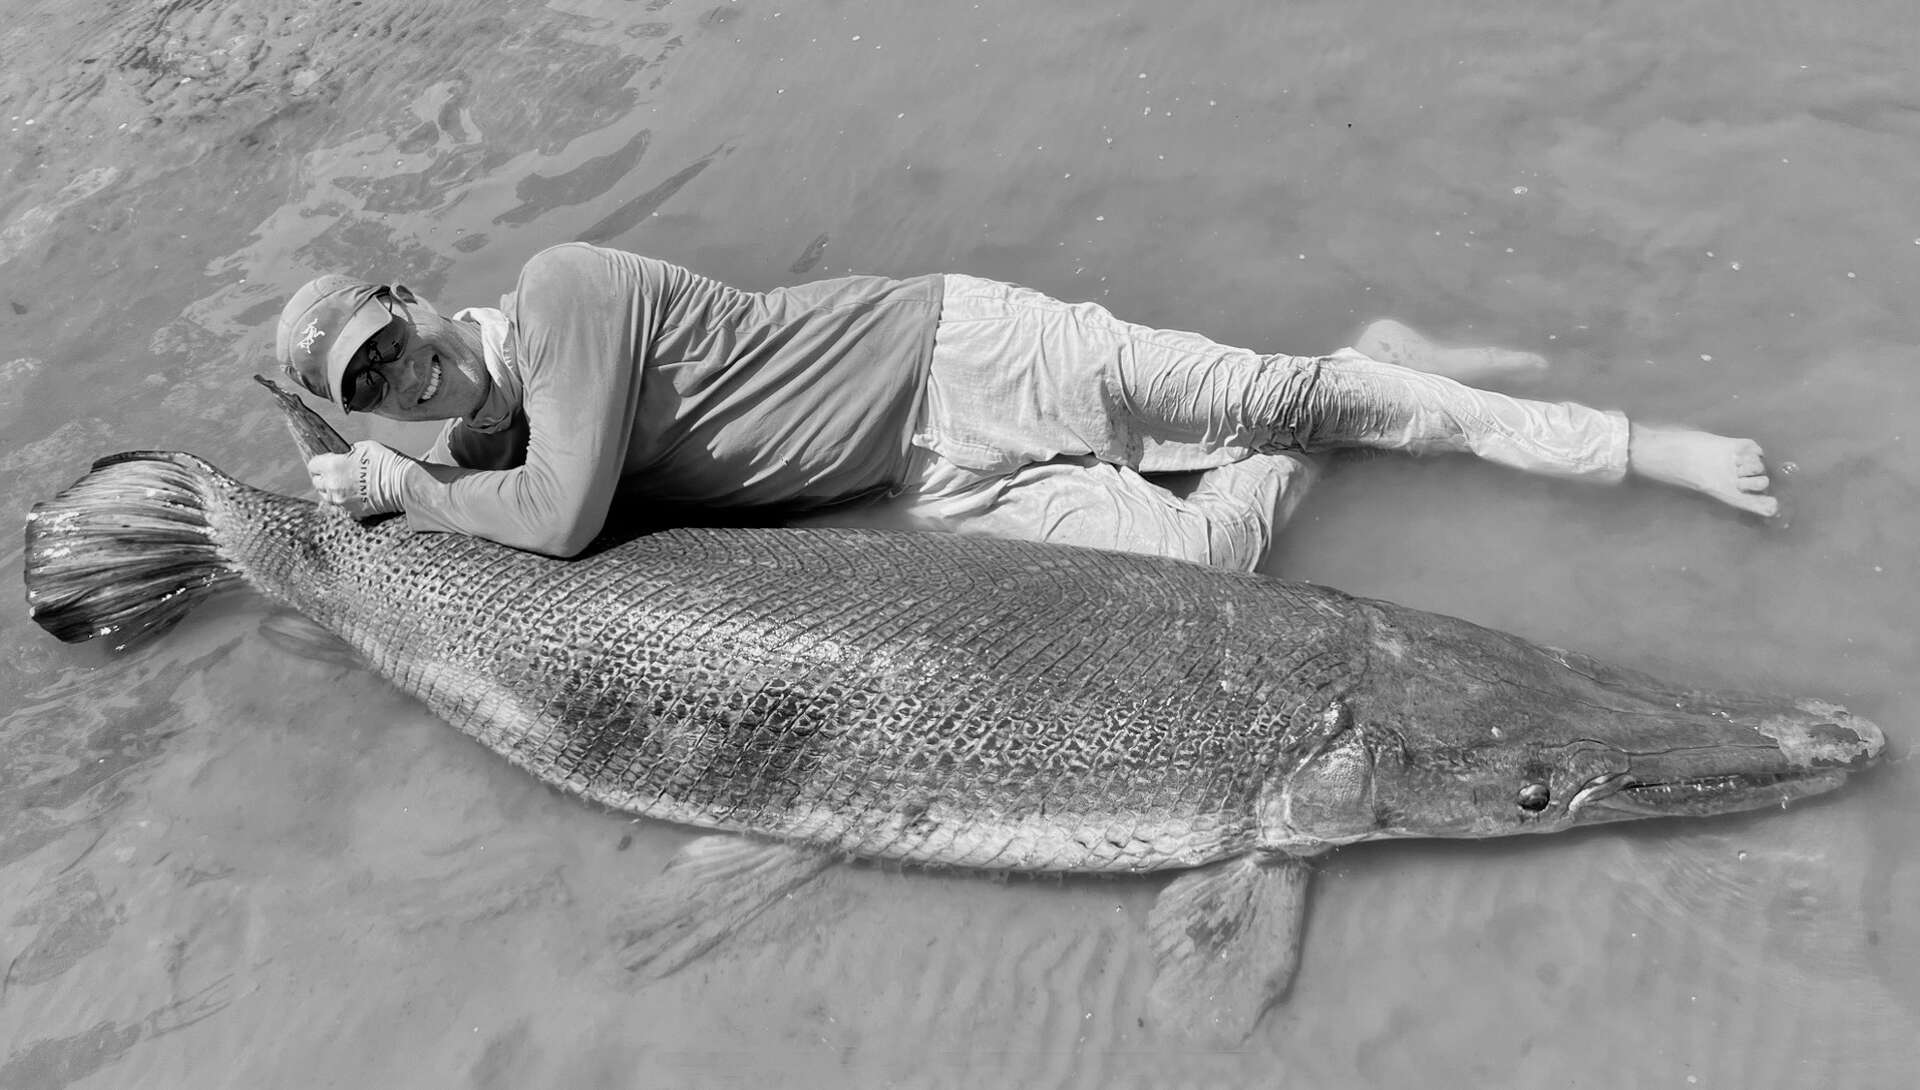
x=364, y=386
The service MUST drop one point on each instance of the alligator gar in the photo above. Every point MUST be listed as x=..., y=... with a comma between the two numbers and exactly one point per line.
x=957, y=701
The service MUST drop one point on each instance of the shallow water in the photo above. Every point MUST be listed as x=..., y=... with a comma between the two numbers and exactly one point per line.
x=222, y=865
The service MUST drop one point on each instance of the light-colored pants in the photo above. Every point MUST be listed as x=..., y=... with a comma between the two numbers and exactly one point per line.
x=1043, y=420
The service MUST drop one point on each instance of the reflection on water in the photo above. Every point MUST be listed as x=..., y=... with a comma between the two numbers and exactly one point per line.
x=221, y=864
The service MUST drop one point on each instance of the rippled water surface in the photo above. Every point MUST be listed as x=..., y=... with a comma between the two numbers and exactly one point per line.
x=225, y=865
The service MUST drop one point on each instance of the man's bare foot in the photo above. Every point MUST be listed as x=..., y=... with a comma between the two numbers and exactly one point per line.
x=1391, y=342
x=1732, y=471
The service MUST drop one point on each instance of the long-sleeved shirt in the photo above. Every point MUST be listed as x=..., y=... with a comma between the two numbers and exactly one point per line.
x=642, y=377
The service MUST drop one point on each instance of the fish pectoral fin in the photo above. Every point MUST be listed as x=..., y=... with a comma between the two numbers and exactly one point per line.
x=1226, y=940
x=708, y=891
x=301, y=636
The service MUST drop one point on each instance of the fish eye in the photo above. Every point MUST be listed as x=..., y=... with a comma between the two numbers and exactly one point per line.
x=1534, y=797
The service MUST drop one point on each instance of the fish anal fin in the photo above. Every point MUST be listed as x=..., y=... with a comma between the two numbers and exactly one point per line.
x=1226, y=940
x=709, y=891
x=303, y=637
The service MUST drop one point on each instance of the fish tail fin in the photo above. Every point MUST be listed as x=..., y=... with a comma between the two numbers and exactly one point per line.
x=127, y=550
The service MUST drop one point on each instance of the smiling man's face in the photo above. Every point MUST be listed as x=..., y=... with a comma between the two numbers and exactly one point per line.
x=420, y=366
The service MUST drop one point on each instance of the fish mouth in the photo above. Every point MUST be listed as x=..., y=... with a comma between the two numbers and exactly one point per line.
x=1703, y=796
x=1809, y=751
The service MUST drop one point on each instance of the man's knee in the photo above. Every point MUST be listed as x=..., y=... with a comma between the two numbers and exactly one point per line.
x=1093, y=504
x=1237, y=545
x=1248, y=502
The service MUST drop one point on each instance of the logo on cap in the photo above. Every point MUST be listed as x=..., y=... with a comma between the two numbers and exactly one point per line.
x=309, y=335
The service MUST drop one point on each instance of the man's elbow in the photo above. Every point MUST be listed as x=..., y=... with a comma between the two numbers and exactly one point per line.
x=547, y=520
x=559, y=546
x=562, y=542
x=562, y=539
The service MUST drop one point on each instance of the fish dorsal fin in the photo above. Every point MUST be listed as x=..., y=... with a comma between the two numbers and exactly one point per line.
x=312, y=434
x=712, y=888
x=1226, y=939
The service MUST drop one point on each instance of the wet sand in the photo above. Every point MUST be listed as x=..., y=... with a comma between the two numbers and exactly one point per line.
x=225, y=865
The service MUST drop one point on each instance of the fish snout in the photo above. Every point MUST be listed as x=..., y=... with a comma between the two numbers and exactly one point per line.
x=1842, y=739
x=1833, y=737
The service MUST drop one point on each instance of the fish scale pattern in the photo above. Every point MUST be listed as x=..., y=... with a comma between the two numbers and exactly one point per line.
x=934, y=699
